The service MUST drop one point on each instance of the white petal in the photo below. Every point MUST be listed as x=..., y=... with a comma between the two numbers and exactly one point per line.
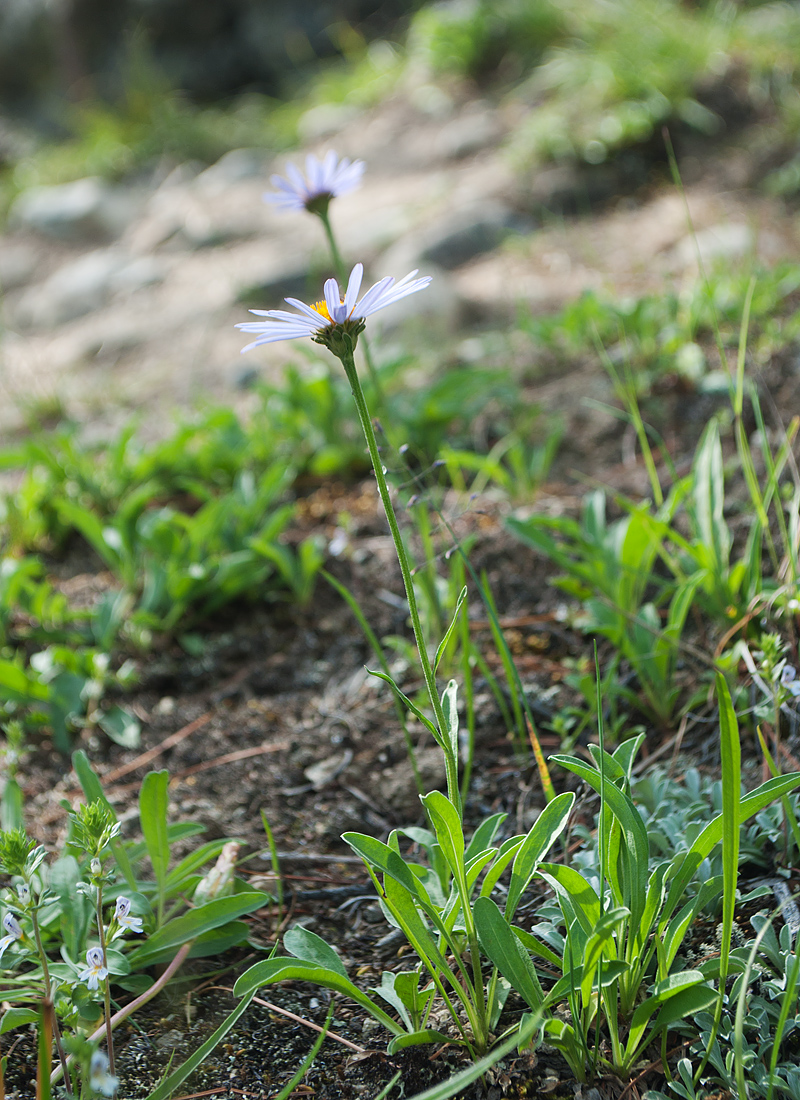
x=314, y=314
x=332, y=300
x=353, y=287
x=366, y=305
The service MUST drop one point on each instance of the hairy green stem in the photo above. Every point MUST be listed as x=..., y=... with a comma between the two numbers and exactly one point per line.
x=141, y=1000
x=451, y=765
x=107, y=987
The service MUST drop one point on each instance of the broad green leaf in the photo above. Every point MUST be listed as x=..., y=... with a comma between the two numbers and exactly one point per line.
x=153, y=804
x=536, y=947
x=311, y=948
x=549, y=824
x=190, y=925
x=386, y=860
x=191, y=863
x=662, y=991
x=484, y=835
x=300, y=970
x=418, y=1038
x=449, y=832
x=401, y=904
x=503, y=948
x=121, y=726
x=573, y=888
x=637, y=845
x=17, y=1017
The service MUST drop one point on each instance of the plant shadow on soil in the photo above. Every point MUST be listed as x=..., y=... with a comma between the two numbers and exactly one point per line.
x=290, y=687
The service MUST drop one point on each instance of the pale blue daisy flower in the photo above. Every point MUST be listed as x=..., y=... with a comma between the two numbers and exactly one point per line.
x=12, y=926
x=95, y=972
x=122, y=917
x=100, y=1080
x=324, y=180
x=333, y=310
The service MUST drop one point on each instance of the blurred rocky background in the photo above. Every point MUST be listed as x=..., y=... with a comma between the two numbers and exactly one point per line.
x=515, y=149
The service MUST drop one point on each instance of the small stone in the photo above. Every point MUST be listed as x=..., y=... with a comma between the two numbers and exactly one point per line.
x=85, y=210
x=233, y=167
x=718, y=242
x=165, y=706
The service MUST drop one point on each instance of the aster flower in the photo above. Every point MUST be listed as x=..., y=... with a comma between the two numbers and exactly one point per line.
x=100, y=1080
x=121, y=915
x=323, y=181
x=322, y=319
x=11, y=925
x=95, y=972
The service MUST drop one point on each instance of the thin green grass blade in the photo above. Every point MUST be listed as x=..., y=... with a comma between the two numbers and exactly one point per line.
x=290, y=1086
x=166, y=1088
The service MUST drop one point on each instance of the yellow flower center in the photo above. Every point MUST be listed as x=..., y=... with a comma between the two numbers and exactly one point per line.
x=322, y=308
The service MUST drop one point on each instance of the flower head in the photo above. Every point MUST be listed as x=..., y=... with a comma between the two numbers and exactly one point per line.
x=100, y=1080
x=122, y=917
x=323, y=181
x=12, y=926
x=322, y=319
x=95, y=972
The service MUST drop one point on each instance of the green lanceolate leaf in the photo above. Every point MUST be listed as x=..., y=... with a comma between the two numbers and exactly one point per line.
x=153, y=803
x=449, y=831
x=549, y=824
x=443, y=644
x=574, y=892
x=301, y=970
x=419, y=1038
x=503, y=948
x=386, y=860
x=637, y=845
x=311, y=948
x=197, y=921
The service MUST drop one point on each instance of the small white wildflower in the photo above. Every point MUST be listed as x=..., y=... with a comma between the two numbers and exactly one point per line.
x=324, y=180
x=100, y=1080
x=122, y=917
x=96, y=866
x=323, y=316
x=789, y=680
x=23, y=893
x=11, y=925
x=95, y=972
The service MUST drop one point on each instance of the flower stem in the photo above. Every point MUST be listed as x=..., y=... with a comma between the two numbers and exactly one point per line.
x=107, y=986
x=341, y=274
x=451, y=764
x=46, y=972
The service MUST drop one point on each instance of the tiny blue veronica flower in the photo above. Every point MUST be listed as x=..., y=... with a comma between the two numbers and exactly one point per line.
x=333, y=310
x=95, y=972
x=12, y=926
x=100, y=1080
x=324, y=180
x=122, y=917
x=789, y=680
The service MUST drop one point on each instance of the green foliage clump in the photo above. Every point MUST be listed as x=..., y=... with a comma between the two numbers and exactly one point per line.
x=475, y=38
